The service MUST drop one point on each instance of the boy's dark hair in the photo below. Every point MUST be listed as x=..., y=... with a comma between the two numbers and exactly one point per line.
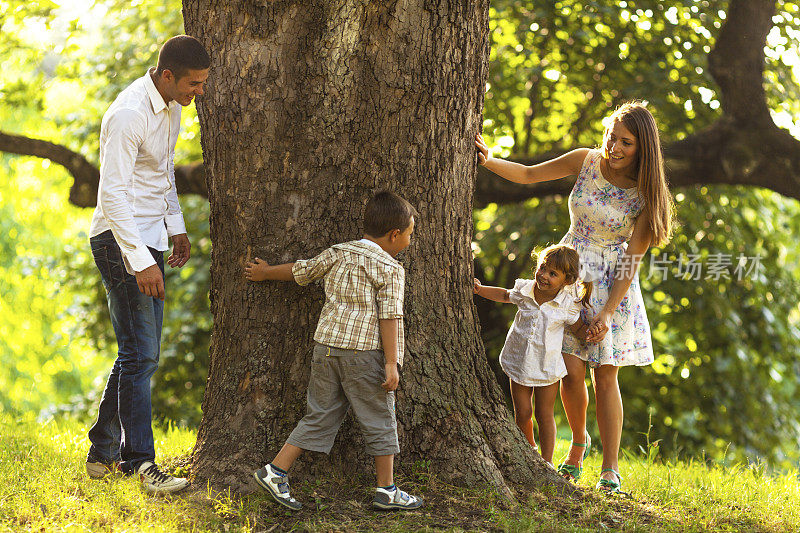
x=387, y=211
x=181, y=54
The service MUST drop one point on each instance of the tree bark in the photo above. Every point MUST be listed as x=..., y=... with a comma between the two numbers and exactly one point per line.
x=310, y=108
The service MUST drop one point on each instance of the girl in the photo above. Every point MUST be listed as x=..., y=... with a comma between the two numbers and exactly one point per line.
x=531, y=356
x=619, y=206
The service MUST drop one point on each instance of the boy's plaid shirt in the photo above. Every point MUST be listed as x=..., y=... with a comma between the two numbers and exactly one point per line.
x=362, y=284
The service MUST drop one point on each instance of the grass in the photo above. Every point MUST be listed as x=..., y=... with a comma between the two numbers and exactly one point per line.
x=43, y=488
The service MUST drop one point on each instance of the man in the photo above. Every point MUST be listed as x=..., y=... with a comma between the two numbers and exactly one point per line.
x=137, y=212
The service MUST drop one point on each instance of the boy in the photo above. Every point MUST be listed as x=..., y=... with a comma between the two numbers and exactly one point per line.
x=361, y=321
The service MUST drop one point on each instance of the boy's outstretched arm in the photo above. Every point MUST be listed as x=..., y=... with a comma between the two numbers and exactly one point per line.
x=496, y=294
x=260, y=270
x=390, y=329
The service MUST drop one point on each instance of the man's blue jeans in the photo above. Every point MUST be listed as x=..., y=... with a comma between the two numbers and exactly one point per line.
x=123, y=431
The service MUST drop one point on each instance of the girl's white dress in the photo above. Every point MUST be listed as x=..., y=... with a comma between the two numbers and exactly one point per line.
x=531, y=355
x=602, y=216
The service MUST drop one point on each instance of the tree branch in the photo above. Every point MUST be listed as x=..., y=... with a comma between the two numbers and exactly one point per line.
x=84, y=190
x=722, y=154
x=737, y=61
x=189, y=179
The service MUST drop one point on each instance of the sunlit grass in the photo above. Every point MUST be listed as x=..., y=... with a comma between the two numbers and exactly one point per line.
x=43, y=487
x=704, y=496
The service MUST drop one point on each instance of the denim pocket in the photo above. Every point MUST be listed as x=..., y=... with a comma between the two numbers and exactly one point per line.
x=100, y=255
x=108, y=258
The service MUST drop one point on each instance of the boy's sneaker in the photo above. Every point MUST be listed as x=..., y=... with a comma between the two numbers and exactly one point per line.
x=276, y=484
x=395, y=499
x=98, y=470
x=154, y=480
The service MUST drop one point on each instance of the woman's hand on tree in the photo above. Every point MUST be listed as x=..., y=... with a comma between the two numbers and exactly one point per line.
x=476, y=286
x=483, y=149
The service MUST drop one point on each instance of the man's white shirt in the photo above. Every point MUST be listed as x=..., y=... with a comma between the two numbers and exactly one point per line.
x=137, y=199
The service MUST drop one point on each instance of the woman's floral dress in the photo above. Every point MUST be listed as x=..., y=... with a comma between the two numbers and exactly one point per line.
x=601, y=222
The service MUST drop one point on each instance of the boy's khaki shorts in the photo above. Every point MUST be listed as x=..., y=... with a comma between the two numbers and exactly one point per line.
x=341, y=379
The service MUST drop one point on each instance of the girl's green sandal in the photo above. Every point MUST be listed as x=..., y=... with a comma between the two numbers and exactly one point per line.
x=573, y=472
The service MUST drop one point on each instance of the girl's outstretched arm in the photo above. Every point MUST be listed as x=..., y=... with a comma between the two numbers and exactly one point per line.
x=496, y=294
x=568, y=164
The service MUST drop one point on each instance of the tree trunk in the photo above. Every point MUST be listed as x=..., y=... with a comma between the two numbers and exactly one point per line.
x=310, y=107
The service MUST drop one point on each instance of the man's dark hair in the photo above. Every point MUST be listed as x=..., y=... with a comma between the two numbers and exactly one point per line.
x=181, y=54
x=385, y=212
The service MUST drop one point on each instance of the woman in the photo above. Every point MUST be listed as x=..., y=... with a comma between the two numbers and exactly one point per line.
x=619, y=206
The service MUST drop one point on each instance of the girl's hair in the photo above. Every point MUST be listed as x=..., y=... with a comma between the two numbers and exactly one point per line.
x=652, y=183
x=564, y=258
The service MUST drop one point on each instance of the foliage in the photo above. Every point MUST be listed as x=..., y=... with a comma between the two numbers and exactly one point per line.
x=43, y=488
x=56, y=341
x=733, y=342
x=783, y=87
x=42, y=346
x=557, y=67
x=68, y=64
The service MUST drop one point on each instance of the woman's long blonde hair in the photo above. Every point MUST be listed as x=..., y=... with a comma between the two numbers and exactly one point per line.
x=652, y=183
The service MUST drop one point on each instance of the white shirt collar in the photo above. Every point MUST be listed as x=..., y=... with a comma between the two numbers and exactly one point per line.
x=559, y=299
x=373, y=243
x=156, y=100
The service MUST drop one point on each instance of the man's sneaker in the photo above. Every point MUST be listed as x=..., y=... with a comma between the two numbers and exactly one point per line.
x=395, y=499
x=276, y=484
x=154, y=480
x=98, y=470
